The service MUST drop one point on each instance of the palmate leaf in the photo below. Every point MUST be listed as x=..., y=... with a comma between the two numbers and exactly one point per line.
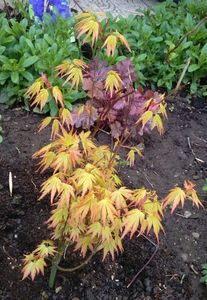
x=55, y=128
x=175, y=197
x=131, y=155
x=33, y=265
x=111, y=42
x=35, y=88
x=120, y=196
x=153, y=221
x=41, y=98
x=73, y=71
x=113, y=82
x=58, y=96
x=59, y=216
x=146, y=117
x=45, y=249
x=45, y=123
x=88, y=24
x=52, y=186
x=47, y=161
x=107, y=210
x=86, y=142
x=157, y=122
x=191, y=193
x=66, y=160
x=84, y=243
x=87, y=204
x=66, y=117
x=140, y=197
x=134, y=218
x=85, y=180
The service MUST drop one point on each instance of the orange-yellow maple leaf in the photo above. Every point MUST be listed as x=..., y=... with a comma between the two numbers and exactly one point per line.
x=45, y=123
x=58, y=96
x=174, y=198
x=132, y=221
x=113, y=82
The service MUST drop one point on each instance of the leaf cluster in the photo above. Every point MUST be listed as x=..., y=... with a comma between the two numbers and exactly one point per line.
x=27, y=49
x=91, y=209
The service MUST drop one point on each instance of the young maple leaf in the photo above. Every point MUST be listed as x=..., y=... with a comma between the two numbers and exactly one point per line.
x=111, y=42
x=52, y=186
x=107, y=210
x=45, y=249
x=86, y=142
x=35, y=88
x=55, y=128
x=41, y=98
x=131, y=155
x=67, y=193
x=153, y=221
x=88, y=25
x=59, y=217
x=146, y=117
x=191, y=193
x=119, y=197
x=157, y=122
x=73, y=71
x=84, y=243
x=33, y=265
x=174, y=198
x=47, y=160
x=140, y=196
x=58, y=96
x=66, y=117
x=113, y=82
x=46, y=121
x=134, y=218
x=85, y=180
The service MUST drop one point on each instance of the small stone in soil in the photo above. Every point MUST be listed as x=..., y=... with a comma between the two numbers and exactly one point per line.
x=16, y=200
x=184, y=257
x=1, y=187
x=187, y=214
x=196, y=235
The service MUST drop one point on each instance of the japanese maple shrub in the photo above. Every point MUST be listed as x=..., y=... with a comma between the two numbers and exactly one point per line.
x=91, y=210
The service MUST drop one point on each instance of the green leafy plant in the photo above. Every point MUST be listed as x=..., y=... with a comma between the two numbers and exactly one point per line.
x=204, y=274
x=26, y=50
x=155, y=34
x=205, y=186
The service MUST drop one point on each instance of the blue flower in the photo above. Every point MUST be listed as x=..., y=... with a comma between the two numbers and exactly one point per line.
x=61, y=6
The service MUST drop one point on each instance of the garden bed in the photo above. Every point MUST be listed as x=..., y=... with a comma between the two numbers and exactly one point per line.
x=174, y=273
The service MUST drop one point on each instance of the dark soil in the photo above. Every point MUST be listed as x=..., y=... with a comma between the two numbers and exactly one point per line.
x=174, y=272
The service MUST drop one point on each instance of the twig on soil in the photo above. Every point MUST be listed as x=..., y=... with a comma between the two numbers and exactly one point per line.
x=14, y=259
x=193, y=269
x=145, y=175
x=147, y=263
x=192, y=151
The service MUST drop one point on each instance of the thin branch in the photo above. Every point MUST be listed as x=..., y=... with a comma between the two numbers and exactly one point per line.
x=192, y=151
x=186, y=35
x=182, y=75
x=79, y=6
x=79, y=266
x=147, y=263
